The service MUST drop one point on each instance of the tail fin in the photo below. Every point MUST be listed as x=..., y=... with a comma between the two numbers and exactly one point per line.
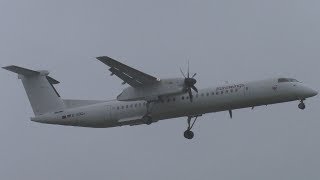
x=42, y=95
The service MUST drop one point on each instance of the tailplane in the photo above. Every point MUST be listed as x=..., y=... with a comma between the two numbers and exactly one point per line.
x=39, y=87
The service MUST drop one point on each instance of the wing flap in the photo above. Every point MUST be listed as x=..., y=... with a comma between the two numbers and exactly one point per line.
x=126, y=78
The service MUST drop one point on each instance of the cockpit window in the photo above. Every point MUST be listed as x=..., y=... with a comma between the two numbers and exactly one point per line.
x=281, y=80
x=293, y=80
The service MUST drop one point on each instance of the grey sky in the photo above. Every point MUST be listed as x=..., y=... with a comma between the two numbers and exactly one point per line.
x=224, y=40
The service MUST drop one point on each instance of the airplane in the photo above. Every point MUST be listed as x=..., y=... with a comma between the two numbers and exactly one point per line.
x=149, y=99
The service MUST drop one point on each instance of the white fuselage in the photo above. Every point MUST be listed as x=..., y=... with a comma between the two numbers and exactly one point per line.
x=226, y=97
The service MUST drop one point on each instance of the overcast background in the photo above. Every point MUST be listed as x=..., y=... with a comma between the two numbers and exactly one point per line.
x=225, y=40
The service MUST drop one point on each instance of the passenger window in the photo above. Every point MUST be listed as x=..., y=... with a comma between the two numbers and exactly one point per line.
x=174, y=99
x=231, y=90
x=182, y=97
x=118, y=108
x=217, y=93
x=227, y=91
x=207, y=94
x=221, y=92
x=212, y=93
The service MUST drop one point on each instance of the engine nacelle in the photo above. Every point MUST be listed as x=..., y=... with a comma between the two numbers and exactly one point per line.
x=165, y=87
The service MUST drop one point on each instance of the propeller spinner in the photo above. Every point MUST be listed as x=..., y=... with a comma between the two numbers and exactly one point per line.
x=189, y=82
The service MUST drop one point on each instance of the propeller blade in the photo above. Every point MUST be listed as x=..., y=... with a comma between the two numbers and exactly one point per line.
x=190, y=94
x=188, y=69
x=230, y=113
x=182, y=73
x=189, y=82
x=194, y=88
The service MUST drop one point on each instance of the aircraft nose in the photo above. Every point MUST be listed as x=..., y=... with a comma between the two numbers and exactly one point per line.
x=315, y=92
x=310, y=92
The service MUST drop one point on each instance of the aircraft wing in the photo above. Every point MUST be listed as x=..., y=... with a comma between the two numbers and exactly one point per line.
x=128, y=74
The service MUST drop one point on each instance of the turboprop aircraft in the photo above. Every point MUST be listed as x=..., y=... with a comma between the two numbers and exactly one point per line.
x=149, y=99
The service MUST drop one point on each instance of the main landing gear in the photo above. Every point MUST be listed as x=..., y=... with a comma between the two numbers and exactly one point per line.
x=147, y=119
x=301, y=105
x=188, y=134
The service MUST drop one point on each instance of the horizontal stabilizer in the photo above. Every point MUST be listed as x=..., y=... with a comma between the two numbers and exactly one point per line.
x=28, y=72
x=52, y=81
x=22, y=71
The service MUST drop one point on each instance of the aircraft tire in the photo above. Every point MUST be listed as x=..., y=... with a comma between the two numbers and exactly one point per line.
x=188, y=134
x=302, y=106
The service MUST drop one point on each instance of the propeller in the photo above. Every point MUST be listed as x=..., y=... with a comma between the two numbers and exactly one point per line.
x=189, y=82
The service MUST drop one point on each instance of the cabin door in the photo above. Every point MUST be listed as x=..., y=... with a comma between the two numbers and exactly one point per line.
x=108, y=110
x=247, y=91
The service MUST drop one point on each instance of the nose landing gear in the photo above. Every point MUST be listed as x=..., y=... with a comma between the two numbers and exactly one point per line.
x=301, y=105
x=188, y=134
x=147, y=118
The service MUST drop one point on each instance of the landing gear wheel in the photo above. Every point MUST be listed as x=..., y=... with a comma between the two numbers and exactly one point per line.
x=188, y=134
x=302, y=106
x=147, y=120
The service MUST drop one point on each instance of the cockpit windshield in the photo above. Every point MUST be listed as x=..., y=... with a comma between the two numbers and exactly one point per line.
x=281, y=80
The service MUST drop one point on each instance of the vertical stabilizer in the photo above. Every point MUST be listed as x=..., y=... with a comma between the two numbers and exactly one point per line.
x=39, y=87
